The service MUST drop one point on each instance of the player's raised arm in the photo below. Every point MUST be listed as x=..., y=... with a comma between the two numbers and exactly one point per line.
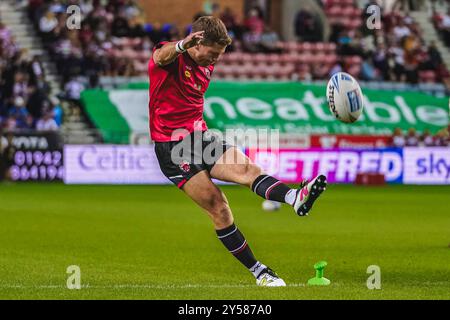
x=168, y=52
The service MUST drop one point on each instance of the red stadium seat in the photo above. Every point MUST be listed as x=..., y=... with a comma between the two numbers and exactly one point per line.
x=306, y=58
x=246, y=57
x=291, y=46
x=318, y=58
x=357, y=13
x=273, y=58
x=288, y=58
x=354, y=24
x=347, y=12
x=348, y=2
x=259, y=58
x=427, y=76
x=305, y=47
x=330, y=59
x=318, y=47
x=335, y=11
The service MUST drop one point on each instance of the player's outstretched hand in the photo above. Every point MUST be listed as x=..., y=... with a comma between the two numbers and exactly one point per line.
x=193, y=39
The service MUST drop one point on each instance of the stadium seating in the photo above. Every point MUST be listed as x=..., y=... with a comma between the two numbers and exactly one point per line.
x=297, y=60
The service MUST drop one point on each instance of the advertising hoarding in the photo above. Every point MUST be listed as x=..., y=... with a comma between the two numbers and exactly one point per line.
x=120, y=164
x=34, y=156
x=112, y=164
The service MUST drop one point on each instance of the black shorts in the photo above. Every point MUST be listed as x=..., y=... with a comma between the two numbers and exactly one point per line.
x=181, y=160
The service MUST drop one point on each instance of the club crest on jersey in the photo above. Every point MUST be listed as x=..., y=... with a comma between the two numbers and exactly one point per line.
x=187, y=74
x=208, y=73
x=185, y=166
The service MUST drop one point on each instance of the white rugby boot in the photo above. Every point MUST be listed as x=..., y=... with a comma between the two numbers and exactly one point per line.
x=308, y=193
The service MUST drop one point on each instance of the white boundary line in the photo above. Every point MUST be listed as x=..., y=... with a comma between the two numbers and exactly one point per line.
x=141, y=286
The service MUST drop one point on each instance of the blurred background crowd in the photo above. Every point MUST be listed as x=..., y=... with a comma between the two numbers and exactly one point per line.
x=114, y=40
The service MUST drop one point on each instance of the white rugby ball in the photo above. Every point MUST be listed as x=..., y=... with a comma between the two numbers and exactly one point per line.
x=344, y=97
x=268, y=205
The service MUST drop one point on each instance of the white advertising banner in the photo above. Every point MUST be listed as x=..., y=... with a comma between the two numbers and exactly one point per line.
x=112, y=164
x=426, y=165
x=125, y=164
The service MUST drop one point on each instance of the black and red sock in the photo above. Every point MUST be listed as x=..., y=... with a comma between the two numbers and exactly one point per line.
x=271, y=188
x=236, y=244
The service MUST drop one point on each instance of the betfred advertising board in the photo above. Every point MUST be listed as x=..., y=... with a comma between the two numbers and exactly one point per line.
x=339, y=165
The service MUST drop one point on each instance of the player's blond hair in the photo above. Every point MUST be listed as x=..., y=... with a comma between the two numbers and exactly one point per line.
x=215, y=31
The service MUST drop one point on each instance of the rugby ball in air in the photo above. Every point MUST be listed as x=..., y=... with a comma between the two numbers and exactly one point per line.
x=344, y=97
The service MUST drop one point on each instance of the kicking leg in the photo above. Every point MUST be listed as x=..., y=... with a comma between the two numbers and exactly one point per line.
x=234, y=166
x=207, y=195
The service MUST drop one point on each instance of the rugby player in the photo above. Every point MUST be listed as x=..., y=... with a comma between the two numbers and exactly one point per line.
x=179, y=74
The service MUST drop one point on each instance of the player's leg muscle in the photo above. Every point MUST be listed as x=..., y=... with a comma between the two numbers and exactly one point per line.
x=234, y=166
x=207, y=195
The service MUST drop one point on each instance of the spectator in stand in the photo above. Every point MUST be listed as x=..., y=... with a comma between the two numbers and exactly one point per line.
x=398, y=139
x=369, y=72
x=230, y=21
x=401, y=30
x=86, y=35
x=426, y=139
x=156, y=33
x=120, y=26
x=36, y=70
x=73, y=89
x=380, y=60
x=304, y=72
x=20, y=85
x=57, y=110
x=36, y=101
x=7, y=152
x=270, y=41
x=397, y=63
x=47, y=26
x=254, y=21
x=319, y=71
x=19, y=114
x=174, y=33
x=412, y=140
x=47, y=122
x=337, y=67
x=5, y=33
x=444, y=27
x=433, y=57
x=442, y=139
x=131, y=10
x=20, y=78
x=412, y=58
x=307, y=26
x=350, y=43
x=251, y=42
x=443, y=75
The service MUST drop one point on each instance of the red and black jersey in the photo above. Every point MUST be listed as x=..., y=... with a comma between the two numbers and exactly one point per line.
x=176, y=97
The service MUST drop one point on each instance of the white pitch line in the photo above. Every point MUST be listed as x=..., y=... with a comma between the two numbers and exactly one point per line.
x=140, y=286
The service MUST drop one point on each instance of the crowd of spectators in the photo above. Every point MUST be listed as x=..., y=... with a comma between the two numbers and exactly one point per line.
x=91, y=51
x=25, y=101
x=412, y=139
x=395, y=52
x=115, y=40
x=441, y=21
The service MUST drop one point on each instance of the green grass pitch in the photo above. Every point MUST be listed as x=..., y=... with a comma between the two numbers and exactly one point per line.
x=152, y=242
